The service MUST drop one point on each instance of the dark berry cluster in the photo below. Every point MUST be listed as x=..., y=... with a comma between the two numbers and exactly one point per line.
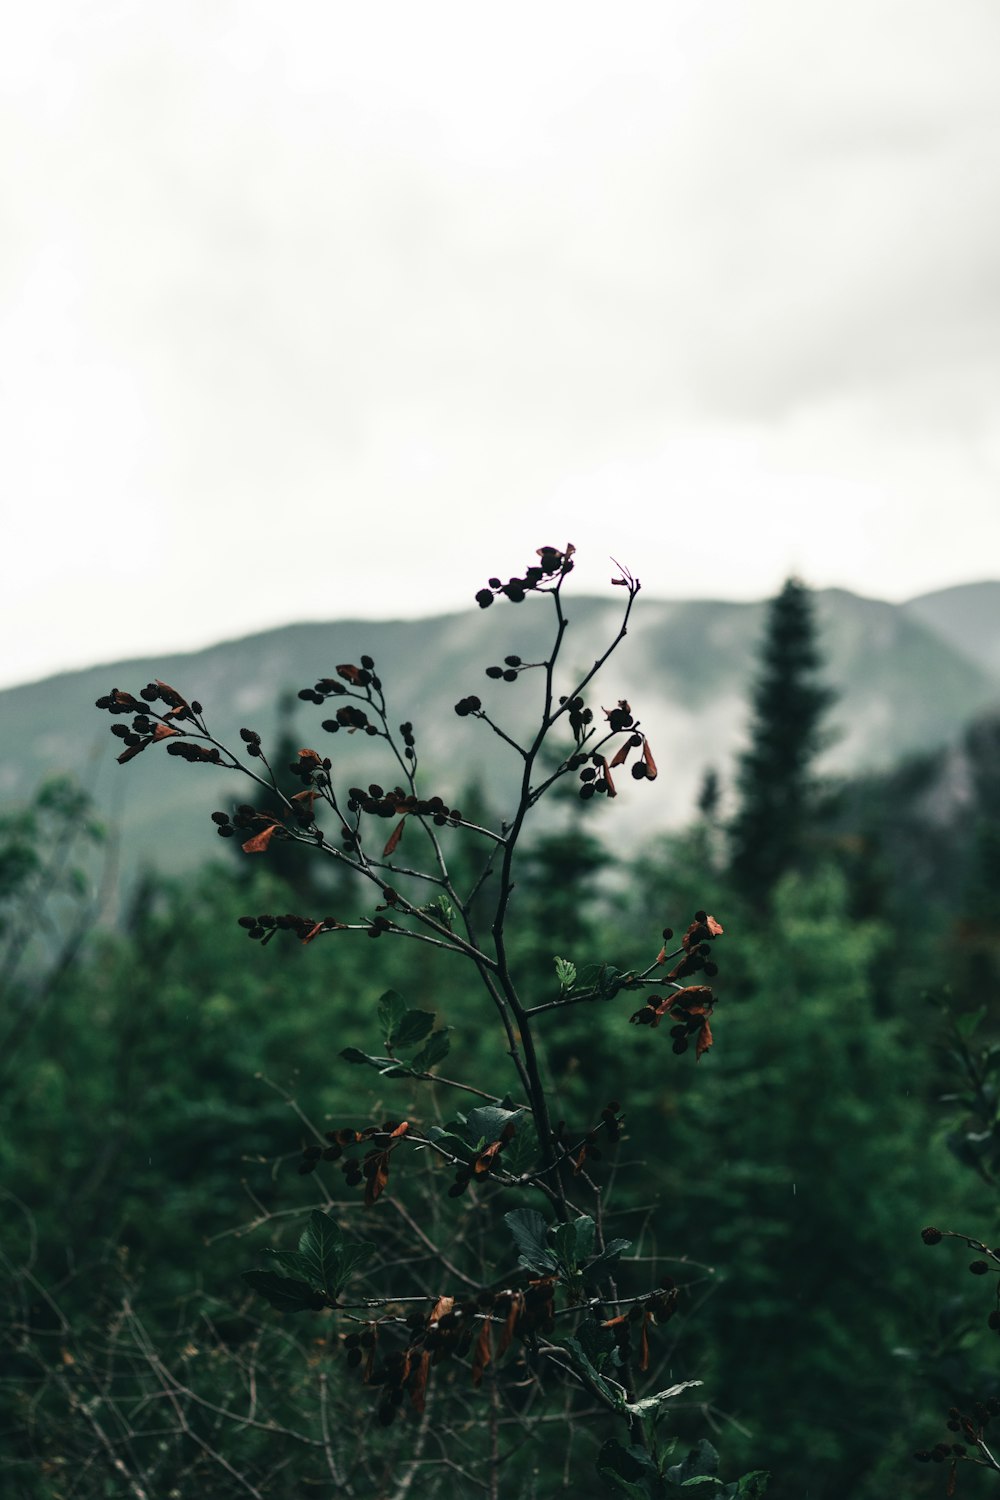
x=510, y=669
x=657, y=1308
x=588, y=1149
x=971, y=1424
x=406, y=734
x=692, y=1007
x=487, y=1161
x=264, y=927
x=206, y=754
x=362, y=676
x=451, y=1329
x=243, y=819
x=351, y=719
x=596, y=779
x=149, y=726
x=551, y=564
x=580, y=716
x=310, y=767
x=466, y=706
x=373, y=1168
x=398, y=803
x=696, y=948
x=251, y=739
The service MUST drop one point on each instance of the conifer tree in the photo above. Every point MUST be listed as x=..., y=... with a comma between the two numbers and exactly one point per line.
x=778, y=791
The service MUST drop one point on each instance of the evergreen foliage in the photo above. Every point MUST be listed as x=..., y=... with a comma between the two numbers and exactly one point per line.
x=777, y=789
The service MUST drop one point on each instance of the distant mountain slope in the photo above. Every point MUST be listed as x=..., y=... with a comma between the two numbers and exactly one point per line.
x=968, y=618
x=685, y=668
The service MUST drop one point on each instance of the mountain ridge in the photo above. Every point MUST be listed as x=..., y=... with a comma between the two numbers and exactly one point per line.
x=907, y=680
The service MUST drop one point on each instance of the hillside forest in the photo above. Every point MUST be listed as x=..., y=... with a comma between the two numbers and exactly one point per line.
x=451, y=1128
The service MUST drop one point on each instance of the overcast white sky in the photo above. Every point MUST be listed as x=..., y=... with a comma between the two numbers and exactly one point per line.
x=323, y=309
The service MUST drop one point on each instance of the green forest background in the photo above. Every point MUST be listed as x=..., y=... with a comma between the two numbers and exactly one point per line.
x=155, y=1077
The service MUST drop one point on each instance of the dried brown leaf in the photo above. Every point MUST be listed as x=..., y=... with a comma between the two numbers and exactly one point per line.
x=483, y=1352
x=394, y=838
x=258, y=844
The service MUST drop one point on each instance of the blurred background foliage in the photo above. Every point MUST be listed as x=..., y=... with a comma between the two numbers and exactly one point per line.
x=152, y=1074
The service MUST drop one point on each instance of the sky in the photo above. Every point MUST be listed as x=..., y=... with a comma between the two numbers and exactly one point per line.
x=322, y=310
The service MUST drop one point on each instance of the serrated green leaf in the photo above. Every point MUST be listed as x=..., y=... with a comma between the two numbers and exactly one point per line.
x=289, y=1263
x=565, y=973
x=649, y=1404
x=329, y=1258
x=521, y=1153
x=391, y=1010
x=412, y=1028
x=585, y=1229
x=564, y=1244
x=284, y=1293
x=319, y=1248
x=529, y=1230
x=966, y=1024
x=434, y=1050
x=352, y=1256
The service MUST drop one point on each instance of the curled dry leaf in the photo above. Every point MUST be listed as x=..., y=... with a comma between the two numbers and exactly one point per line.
x=483, y=1353
x=258, y=844
x=133, y=751
x=393, y=841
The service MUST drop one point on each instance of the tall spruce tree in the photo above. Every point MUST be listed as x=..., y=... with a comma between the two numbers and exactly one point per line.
x=778, y=791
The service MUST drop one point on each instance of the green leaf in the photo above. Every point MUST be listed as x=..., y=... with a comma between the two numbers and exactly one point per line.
x=434, y=1050
x=565, y=973
x=351, y=1257
x=289, y=1263
x=612, y=1250
x=391, y=1010
x=329, y=1259
x=412, y=1028
x=751, y=1485
x=625, y=1486
x=319, y=1248
x=521, y=1153
x=488, y=1121
x=614, y=1460
x=564, y=1244
x=611, y=1391
x=965, y=1025
x=702, y=1461
x=585, y=1228
x=282, y=1292
x=649, y=1404
x=355, y=1055
x=598, y=1344
x=529, y=1230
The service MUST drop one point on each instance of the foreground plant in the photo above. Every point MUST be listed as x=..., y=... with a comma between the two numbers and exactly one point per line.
x=556, y=1323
